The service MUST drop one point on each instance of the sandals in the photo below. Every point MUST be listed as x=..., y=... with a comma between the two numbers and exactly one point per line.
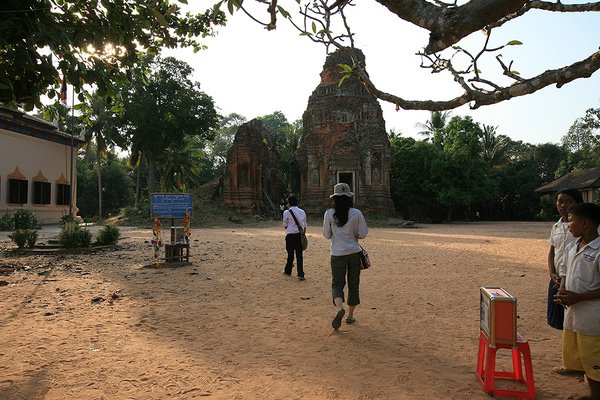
x=337, y=320
x=350, y=319
x=566, y=371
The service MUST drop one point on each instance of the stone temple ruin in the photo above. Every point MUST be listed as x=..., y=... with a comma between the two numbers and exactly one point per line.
x=344, y=140
x=251, y=181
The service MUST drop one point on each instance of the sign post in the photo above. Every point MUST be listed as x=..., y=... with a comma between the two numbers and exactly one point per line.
x=174, y=205
x=170, y=205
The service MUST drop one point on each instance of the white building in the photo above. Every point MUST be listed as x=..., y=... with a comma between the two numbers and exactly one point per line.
x=35, y=167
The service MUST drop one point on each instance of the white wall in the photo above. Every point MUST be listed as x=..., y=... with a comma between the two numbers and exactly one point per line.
x=31, y=155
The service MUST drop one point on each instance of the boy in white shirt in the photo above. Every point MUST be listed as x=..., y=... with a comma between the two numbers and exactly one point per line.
x=580, y=294
x=560, y=238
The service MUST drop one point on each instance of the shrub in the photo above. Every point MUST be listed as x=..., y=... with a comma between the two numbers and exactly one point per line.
x=7, y=222
x=66, y=218
x=32, y=238
x=21, y=237
x=108, y=235
x=72, y=236
x=25, y=219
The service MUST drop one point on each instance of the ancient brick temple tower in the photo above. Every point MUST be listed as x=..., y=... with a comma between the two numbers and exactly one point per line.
x=344, y=140
x=251, y=182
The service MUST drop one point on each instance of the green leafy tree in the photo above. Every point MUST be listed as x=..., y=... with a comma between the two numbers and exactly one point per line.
x=283, y=140
x=580, y=137
x=529, y=167
x=163, y=108
x=393, y=134
x=582, y=144
x=181, y=164
x=218, y=148
x=434, y=125
x=546, y=159
x=460, y=177
x=410, y=178
x=287, y=155
x=468, y=166
x=592, y=118
x=117, y=188
x=495, y=148
x=275, y=124
x=516, y=199
x=65, y=119
x=102, y=131
x=138, y=165
x=88, y=42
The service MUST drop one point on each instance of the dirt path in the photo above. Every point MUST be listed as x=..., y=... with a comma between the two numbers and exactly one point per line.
x=231, y=326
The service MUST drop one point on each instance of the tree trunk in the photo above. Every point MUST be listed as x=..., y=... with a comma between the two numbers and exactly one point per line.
x=99, y=172
x=150, y=160
x=449, y=217
x=137, y=187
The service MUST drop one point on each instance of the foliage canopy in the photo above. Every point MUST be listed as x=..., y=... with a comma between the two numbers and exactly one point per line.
x=95, y=42
x=162, y=110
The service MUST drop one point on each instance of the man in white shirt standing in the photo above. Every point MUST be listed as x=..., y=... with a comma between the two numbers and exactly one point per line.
x=294, y=219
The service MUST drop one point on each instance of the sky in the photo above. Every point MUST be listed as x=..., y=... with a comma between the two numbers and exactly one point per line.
x=253, y=72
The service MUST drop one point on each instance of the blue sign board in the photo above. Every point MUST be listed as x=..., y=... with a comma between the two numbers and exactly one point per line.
x=170, y=205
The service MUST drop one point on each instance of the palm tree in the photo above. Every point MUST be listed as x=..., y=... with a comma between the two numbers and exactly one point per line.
x=102, y=131
x=393, y=134
x=494, y=147
x=179, y=166
x=435, y=125
x=136, y=158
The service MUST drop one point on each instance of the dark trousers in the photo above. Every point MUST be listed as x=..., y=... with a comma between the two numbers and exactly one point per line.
x=292, y=244
x=556, y=312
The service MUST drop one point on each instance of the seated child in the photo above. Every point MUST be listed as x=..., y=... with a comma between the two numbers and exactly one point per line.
x=580, y=294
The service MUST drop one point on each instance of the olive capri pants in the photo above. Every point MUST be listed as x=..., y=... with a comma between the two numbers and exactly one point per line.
x=342, y=267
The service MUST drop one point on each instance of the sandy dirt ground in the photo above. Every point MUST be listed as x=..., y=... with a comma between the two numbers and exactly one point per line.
x=231, y=326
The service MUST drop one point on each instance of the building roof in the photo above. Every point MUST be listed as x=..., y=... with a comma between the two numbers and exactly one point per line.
x=17, y=121
x=586, y=179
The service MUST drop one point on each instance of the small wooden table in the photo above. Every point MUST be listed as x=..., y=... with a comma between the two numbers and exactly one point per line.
x=177, y=252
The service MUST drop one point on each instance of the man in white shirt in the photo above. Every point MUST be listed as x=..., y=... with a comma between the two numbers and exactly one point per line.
x=294, y=222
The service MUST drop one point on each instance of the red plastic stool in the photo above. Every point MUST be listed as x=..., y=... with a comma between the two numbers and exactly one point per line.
x=486, y=367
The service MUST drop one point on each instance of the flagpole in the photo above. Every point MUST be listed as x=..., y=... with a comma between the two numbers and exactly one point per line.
x=72, y=144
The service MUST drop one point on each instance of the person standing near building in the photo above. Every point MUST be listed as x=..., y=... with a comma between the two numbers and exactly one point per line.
x=294, y=219
x=560, y=238
x=344, y=225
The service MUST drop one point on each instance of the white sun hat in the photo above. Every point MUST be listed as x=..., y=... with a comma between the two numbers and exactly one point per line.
x=342, y=189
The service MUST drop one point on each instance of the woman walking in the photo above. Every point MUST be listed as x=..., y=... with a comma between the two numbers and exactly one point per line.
x=344, y=225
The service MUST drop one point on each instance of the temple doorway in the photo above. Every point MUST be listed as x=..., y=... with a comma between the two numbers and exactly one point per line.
x=346, y=177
